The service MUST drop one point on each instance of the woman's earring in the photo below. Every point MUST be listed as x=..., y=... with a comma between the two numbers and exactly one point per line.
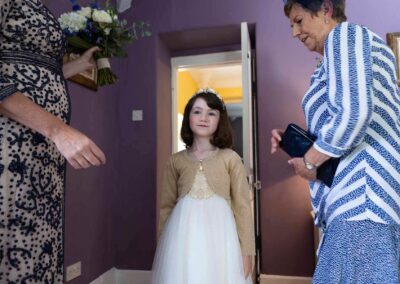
x=326, y=21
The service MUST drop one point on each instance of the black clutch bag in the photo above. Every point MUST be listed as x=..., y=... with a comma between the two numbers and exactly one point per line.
x=296, y=142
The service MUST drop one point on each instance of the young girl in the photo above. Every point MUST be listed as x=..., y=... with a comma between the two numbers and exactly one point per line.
x=206, y=222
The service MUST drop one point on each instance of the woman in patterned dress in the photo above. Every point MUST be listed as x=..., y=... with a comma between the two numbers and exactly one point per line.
x=35, y=141
x=353, y=108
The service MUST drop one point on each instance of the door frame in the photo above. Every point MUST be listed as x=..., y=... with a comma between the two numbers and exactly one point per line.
x=166, y=49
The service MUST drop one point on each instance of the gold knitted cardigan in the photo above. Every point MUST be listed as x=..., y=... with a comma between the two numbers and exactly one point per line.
x=226, y=176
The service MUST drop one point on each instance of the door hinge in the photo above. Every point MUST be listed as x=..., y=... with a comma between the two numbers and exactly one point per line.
x=257, y=185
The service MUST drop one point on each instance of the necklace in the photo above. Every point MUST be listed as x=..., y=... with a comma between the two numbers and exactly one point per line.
x=201, y=156
x=204, y=154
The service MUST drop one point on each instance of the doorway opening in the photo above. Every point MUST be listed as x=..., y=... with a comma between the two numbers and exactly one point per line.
x=227, y=48
x=219, y=71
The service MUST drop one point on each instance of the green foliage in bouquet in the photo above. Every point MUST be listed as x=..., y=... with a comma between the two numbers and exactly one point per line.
x=86, y=27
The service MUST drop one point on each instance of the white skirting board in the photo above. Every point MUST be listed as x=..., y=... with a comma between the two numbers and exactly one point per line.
x=279, y=279
x=117, y=276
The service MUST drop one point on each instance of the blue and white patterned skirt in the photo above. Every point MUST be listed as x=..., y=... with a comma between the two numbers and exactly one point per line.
x=359, y=252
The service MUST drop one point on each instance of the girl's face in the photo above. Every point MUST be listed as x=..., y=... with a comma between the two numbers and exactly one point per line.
x=309, y=29
x=203, y=120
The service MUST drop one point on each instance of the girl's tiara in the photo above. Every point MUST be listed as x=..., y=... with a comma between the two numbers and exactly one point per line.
x=211, y=91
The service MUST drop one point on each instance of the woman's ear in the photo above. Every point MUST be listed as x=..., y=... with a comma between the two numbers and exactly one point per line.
x=327, y=7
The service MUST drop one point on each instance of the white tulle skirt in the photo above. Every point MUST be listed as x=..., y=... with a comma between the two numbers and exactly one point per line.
x=199, y=245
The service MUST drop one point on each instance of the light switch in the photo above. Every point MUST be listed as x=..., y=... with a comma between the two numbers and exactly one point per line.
x=137, y=115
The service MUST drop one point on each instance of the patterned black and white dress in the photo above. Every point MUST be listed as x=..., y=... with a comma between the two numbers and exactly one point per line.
x=32, y=170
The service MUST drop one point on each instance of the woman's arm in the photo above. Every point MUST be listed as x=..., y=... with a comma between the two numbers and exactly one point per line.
x=84, y=62
x=349, y=78
x=78, y=149
x=348, y=64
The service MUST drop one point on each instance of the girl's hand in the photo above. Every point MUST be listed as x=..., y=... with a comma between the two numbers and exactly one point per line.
x=276, y=135
x=301, y=170
x=247, y=265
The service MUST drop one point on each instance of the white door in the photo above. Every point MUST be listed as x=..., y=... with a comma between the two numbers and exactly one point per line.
x=247, y=102
x=250, y=146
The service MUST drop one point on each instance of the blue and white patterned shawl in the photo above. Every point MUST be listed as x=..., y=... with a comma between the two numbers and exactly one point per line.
x=353, y=106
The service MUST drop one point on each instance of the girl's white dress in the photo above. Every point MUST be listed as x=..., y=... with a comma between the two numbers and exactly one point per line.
x=199, y=243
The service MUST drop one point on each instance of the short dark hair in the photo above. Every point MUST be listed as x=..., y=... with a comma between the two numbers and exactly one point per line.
x=314, y=6
x=223, y=137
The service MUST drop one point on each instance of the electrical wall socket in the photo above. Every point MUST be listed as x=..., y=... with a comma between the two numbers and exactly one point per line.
x=73, y=271
x=137, y=115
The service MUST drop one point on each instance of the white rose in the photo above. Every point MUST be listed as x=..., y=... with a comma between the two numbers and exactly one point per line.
x=101, y=17
x=107, y=31
x=72, y=21
x=86, y=12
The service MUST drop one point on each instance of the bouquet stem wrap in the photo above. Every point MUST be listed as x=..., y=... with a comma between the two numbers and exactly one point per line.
x=105, y=76
x=103, y=63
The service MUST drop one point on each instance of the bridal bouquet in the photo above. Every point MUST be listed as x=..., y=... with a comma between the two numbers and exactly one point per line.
x=86, y=27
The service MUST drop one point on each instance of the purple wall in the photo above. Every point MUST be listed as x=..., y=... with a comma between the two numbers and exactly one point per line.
x=283, y=71
x=110, y=211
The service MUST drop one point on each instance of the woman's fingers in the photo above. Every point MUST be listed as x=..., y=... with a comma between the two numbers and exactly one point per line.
x=91, y=51
x=74, y=164
x=83, y=163
x=98, y=155
x=277, y=133
x=92, y=156
x=276, y=137
x=86, y=160
x=78, y=149
x=87, y=58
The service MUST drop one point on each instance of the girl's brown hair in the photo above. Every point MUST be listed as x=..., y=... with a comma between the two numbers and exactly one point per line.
x=223, y=137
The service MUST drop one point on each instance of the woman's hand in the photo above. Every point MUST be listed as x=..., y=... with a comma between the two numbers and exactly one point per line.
x=87, y=58
x=312, y=156
x=77, y=148
x=301, y=170
x=276, y=137
x=247, y=265
x=84, y=62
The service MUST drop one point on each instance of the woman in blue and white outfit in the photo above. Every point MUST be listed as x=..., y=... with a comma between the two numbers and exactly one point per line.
x=353, y=107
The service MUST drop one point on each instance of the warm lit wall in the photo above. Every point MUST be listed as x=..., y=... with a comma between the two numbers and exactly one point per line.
x=186, y=88
x=230, y=95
